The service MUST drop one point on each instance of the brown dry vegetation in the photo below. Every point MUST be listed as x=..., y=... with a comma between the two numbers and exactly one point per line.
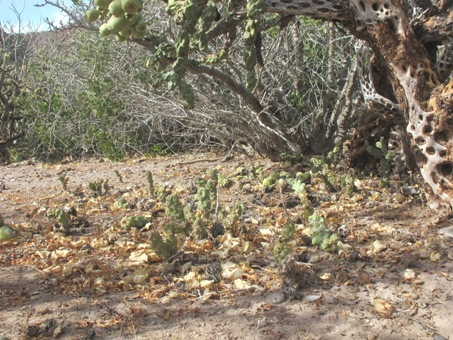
x=393, y=283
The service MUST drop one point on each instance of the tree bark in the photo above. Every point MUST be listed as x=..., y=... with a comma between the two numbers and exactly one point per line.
x=427, y=103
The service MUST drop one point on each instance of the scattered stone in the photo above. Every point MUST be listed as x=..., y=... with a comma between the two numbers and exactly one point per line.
x=276, y=297
x=447, y=231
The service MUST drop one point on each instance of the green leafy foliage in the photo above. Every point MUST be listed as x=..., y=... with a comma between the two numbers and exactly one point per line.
x=84, y=114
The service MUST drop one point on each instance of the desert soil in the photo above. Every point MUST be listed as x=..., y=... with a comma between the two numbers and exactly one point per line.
x=394, y=283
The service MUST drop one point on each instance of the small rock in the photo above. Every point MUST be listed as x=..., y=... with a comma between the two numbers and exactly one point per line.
x=262, y=322
x=41, y=310
x=439, y=337
x=448, y=231
x=276, y=297
x=399, y=198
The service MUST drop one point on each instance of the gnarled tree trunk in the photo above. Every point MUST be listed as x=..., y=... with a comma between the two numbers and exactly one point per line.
x=423, y=91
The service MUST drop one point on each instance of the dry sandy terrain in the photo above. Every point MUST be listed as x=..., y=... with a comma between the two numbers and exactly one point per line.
x=77, y=285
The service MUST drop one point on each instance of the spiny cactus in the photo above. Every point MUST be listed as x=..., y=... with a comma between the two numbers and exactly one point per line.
x=380, y=151
x=99, y=187
x=62, y=219
x=254, y=10
x=64, y=181
x=174, y=208
x=282, y=248
x=129, y=222
x=322, y=236
x=164, y=247
x=150, y=181
x=6, y=233
x=203, y=198
x=347, y=183
x=120, y=178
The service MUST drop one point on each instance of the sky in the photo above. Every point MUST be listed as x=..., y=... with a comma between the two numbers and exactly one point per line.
x=32, y=18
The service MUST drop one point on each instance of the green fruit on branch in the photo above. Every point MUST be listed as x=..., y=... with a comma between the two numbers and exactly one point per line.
x=102, y=3
x=140, y=26
x=133, y=18
x=105, y=30
x=115, y=9
x=120, y=38
x=138, y=35
x=6, y=233
x=125, y=33
x=92, y=15
x=117, y=24
x=131, y=6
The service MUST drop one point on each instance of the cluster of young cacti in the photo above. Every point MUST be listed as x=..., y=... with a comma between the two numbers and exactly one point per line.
x=194, y=219
x=62, y=219
x=122, y=203
x=124, y=18
x=322, y=236
x=321, y=169
x=277, y=180
x=99, y=187
x=164, y=247
x=380, y=151
x=299, y=187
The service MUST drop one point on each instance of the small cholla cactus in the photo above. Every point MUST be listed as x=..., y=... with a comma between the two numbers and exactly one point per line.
x=323, y=237
x=149, y=180
x=282, y=248
x=98, y=186
x=380, y=151
x=347, y=183
x=174, y=208
x=64, y=181
x=203, y=198
x=62, y=219
x=165, y=248
x=117, y=173
x=129, y=222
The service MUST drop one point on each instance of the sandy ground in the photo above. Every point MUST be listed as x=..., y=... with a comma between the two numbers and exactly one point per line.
x=402, y=292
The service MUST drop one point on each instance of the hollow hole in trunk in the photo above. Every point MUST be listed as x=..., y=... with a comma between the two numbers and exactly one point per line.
x=430, y=150
x=427, y=129
x=441, y=137
x=445, y=169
